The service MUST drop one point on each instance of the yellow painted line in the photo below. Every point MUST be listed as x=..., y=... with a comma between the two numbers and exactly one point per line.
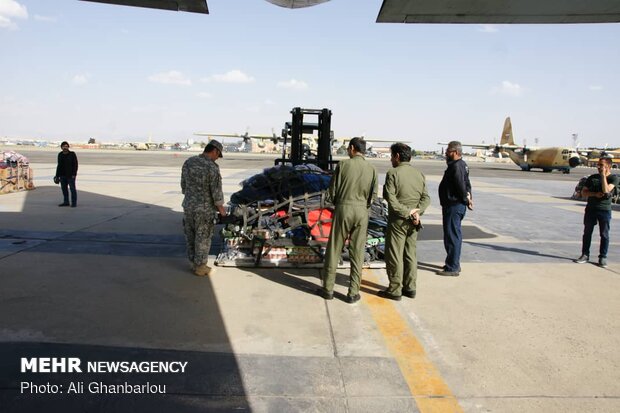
x=429, y=390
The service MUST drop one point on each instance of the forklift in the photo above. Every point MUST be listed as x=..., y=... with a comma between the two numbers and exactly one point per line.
x=299, y=152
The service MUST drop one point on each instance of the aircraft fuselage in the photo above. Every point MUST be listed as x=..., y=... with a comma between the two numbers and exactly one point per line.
x=547, y=159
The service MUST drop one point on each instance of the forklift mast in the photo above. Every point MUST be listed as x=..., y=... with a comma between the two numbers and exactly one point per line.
x=295, y=130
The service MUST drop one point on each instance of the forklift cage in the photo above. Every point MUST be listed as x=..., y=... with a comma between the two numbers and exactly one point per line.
x=295, y=130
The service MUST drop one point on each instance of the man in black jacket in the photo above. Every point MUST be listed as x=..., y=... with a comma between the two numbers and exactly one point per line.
x=455, y=197
x=66, y=171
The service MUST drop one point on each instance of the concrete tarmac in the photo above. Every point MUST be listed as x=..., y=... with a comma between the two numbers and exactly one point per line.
x=522, y=329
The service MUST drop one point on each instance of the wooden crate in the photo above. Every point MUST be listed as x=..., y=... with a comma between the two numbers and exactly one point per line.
x=16, y=179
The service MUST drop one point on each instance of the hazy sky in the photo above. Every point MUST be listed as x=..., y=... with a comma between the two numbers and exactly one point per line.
x=75, y=70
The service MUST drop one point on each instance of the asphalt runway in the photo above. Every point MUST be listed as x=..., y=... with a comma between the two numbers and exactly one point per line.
x=507, y=170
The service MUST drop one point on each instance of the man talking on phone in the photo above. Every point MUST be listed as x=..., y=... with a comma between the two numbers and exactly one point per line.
x=598, y=190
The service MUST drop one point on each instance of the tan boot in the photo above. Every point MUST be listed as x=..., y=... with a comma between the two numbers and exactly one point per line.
x=203, y=270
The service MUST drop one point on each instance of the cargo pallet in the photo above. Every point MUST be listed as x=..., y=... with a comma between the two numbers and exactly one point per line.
x=280, y=253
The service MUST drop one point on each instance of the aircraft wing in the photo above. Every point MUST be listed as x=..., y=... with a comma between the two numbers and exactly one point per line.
x=265, y=137
x=442, y=11
x=380, y=140
x=347, y=139
x=236, y=135
x=193, y=6
x=598, y=152
x=200, y=6
x=499, y=11
x=219, y=135
x=488, y=146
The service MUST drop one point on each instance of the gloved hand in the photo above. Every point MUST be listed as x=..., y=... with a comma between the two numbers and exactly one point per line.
x=56, y=180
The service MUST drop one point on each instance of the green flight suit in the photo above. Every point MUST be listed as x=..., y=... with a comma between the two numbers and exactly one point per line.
x=352, y=189
x=404, y=190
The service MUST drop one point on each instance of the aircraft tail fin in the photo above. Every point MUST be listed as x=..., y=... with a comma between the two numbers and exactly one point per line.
x=506, y=138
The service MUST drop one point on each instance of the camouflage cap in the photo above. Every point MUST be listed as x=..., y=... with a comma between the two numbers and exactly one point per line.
x=218, y=146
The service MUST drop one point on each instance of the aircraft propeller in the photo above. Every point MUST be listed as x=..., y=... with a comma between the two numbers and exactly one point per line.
x=574, y=161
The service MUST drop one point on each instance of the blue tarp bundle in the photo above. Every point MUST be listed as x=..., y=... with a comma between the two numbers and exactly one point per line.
x=280, y=182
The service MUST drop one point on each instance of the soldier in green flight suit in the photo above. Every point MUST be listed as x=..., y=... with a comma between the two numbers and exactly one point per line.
x=352, y=190
x=407, y=197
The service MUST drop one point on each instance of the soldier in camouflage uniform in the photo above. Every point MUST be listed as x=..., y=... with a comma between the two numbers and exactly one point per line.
x=407, y=197
x=352, y=190
x=201, y=183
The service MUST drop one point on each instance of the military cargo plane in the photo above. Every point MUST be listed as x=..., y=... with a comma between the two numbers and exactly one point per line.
x=595, y=153
x=253, y=143
x=531, y=157
x=248, y=143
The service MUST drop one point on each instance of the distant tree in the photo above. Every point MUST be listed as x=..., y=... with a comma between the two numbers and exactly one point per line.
x=91, y=140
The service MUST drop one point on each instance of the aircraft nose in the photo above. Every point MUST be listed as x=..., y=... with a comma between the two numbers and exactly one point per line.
x=574, y=161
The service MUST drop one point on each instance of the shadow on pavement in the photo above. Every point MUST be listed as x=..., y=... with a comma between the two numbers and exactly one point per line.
x=517, y=250
x=109, y=280
x=210, y=381
x=434, y=232
x=309, y=279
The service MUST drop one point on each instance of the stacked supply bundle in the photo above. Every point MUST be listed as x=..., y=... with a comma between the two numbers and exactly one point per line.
x=15, y=173
x=281, y=217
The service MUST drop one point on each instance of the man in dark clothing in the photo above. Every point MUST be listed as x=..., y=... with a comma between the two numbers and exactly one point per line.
x=66, y=171
x=598, y=190
x=454, y=197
